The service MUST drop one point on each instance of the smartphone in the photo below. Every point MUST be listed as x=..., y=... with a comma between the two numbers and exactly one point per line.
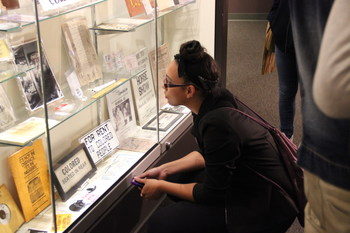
x=138, y=184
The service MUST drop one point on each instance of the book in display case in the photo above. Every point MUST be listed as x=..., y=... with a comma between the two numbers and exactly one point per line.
x=83, y=109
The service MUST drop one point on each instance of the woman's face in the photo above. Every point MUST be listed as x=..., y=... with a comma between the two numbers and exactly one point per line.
x=176, y=95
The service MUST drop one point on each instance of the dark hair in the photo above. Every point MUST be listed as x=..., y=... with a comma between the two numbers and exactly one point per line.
x=196, y=66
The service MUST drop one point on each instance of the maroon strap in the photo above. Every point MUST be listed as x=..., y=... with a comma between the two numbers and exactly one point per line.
x=262, y=123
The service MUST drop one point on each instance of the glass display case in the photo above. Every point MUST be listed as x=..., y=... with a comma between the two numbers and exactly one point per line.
x=82, y=105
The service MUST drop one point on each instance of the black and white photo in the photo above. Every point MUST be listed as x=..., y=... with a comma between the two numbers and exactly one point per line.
x=26, y=55
x=121, y=110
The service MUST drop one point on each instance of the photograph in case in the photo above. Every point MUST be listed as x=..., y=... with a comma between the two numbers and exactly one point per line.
x=27, y=55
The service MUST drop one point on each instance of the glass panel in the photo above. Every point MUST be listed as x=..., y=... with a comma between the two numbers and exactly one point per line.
x=105, y=110
x=15, y=20
x=173, y=30
x=132, y=23
x=24, y=169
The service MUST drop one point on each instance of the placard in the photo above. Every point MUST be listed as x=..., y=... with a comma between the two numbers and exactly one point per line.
x=101, y=141
x=55, y=4
x=30, y=172
x=143, y=88
x=73, y=170
x=120, y=105
x=144, y=96
x=166, y=120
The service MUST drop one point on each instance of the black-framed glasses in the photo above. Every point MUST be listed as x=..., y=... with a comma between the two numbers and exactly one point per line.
x=170, y=85
x=167, y=84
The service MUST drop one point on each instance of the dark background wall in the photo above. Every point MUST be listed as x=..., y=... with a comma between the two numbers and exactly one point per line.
x=249, y=6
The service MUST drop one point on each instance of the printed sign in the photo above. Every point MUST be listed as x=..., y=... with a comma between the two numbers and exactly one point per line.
x=72, y=171
x=101, y=141
x=55, y=4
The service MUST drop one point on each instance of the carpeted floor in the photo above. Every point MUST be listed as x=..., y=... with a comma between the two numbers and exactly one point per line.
x=244, y=79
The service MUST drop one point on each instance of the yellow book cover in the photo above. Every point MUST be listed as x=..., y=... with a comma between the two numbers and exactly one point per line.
x=30, y=173
x=10, y=216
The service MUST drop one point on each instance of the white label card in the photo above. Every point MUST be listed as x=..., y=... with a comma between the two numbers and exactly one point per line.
x=101, y=141
x=55, y=4
x=74, y=84
x=73, y=170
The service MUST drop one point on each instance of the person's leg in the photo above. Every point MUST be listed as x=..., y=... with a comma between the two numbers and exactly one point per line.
x=288, y=87
x=328, y=207
x=188, y=217
x=313, y=216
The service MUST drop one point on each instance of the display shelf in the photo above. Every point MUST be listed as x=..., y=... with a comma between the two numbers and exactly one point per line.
x=130, y=24
x=124, y=97
x=79, y=105
x=110, y=171
x=76, y=106
x=10, y=74
x=122, y=24
x=117, y=192
x=175, y=8
x=116, y=170
x=24, y=16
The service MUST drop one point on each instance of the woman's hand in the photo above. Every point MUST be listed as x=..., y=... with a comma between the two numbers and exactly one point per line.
x=151, y=188
x=156, y=173
x=154, y=189
x=190, y=162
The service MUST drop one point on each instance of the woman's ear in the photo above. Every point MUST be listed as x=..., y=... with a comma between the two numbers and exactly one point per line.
x=191, y=90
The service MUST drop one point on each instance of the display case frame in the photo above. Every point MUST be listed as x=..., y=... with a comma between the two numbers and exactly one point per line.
x=62, y=137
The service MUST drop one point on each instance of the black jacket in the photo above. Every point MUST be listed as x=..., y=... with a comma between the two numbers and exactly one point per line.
x=232, y=144
x=280, y=24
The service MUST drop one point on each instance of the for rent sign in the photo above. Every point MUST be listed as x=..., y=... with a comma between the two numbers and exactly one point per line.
x=101, y=141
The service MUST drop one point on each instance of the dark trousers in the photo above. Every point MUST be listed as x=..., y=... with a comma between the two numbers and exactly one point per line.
x=188, y=217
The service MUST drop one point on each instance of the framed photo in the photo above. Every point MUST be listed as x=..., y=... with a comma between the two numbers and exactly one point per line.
x=73, y=170
x=166, y=120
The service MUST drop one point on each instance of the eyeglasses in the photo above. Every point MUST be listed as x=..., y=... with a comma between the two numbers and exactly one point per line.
x=170, y=85
x=167, y=84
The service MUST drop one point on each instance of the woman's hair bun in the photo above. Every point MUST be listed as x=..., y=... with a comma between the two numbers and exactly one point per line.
x=192, y=51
